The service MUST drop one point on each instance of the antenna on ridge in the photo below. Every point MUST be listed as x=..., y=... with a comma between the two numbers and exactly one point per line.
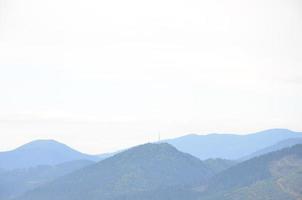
x=158, y=136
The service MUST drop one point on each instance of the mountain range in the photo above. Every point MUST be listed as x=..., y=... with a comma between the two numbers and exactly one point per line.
x=230, y=146
x=275, y=147
x=221, y=146
x=46, y=169
x=140, y=169
x=160, y=172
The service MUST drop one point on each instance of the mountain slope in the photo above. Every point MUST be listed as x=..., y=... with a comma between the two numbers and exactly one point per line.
x=229, y=146
x=40, y=152
x=15, y=182
x=219, y=165
x=272, y=176
x=137, y=170
x=280, y=145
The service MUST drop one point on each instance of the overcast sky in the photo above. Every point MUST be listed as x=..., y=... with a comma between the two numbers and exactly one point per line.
x=103, y=75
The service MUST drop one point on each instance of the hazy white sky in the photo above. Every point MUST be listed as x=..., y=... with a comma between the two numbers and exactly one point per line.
x=102, y=75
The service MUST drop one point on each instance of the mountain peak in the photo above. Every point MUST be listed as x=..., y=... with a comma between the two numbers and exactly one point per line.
x=151, y=151
x=154, y=147
x=40, y=152
x=142, y=168
x=276, y=131
x=42, y=144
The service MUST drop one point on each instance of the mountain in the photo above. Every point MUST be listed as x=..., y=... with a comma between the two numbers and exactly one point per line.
x=218, y=165
x=41, y=152
x=16, y=182
x=107, y=155
x=230, y=146
x=139, y=170
x=224, y=146
x=161, y=172
x=273, y=176
x=280, y=145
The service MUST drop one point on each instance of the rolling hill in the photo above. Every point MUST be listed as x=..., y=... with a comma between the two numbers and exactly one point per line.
x=161, y=172
x=41, y=152
x=273, y=176
x=139, y=170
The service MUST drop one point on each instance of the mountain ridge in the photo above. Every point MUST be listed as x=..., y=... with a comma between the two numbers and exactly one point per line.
x=258, y=175
x=278, y=146
x=41, y=152
x=143, y=168
x=230, y=146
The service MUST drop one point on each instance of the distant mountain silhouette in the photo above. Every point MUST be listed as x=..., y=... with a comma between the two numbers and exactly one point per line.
x=224, y=146
x=230, y=146
x=41, y=152
x=280, y=145
x=140, y=169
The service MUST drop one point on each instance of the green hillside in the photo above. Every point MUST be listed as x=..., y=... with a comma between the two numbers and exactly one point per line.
x=160, y=172
x=275, y=176
x=142, y=169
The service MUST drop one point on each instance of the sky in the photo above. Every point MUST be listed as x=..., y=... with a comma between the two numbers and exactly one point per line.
x=104, y=75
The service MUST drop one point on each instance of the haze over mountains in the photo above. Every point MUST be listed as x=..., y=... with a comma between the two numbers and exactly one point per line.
x=277, y=175
x=90, y=84
x=41, y=152
x=160, y=172
x=280, y=145
x=18, y=181
x=144, y=168
x=223, y=146
x=230, y=146
x=46, y=169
